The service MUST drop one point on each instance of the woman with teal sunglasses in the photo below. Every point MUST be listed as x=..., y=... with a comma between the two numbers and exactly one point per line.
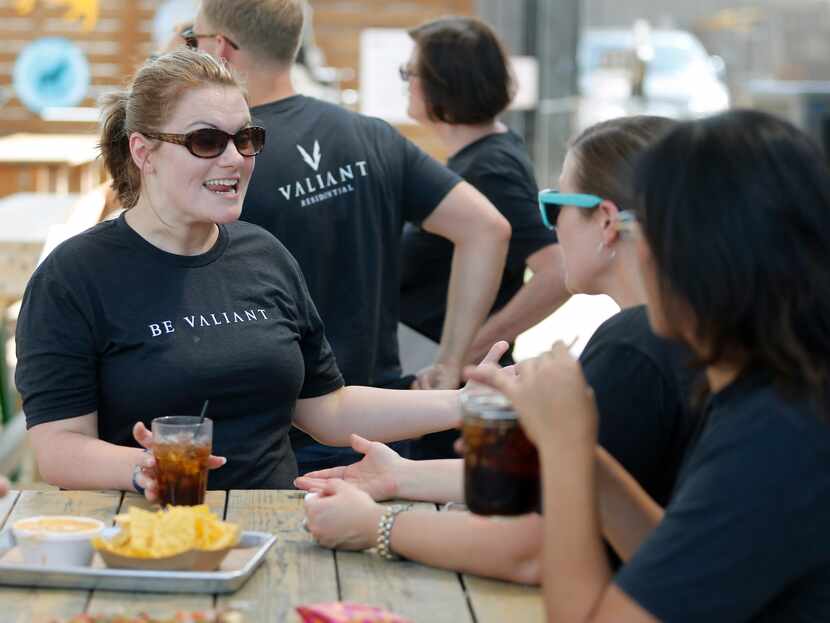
x=639, y=381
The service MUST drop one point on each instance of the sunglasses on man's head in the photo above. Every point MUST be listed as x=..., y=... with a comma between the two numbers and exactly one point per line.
x=212, y=142
x=551, y=202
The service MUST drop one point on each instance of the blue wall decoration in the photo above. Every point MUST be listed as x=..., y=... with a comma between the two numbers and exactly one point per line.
x=51, y=71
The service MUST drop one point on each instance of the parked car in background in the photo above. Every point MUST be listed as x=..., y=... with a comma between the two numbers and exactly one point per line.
x=645, y=71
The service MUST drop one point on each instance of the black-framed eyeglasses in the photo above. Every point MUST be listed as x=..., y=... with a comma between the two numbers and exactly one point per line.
x=191, y=38
x=406, y=73
x=212, y=142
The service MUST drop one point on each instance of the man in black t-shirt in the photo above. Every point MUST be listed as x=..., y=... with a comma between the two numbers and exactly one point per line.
x=336, y=188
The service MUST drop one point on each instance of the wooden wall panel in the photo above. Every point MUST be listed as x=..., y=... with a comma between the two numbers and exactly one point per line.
x=122, y=39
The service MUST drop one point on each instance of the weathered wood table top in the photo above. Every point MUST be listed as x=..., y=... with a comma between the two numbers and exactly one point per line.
x=295, y=572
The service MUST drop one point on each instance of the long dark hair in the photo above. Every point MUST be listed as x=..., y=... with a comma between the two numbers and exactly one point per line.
x=734, y=209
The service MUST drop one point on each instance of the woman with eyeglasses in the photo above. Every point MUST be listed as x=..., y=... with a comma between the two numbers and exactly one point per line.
x=176, y=302
x=733, y=243
x=459, y=83
x=640, y=381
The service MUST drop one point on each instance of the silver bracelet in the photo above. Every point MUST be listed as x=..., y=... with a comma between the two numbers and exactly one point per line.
x=387, y=520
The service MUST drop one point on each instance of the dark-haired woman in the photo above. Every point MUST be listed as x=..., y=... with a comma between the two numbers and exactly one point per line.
x=459, y=83
x=733, y=242
x=176, y=302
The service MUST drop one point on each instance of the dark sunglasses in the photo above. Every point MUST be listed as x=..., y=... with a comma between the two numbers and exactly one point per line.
x=191, y=38
x=211, y=142
x=551, y=202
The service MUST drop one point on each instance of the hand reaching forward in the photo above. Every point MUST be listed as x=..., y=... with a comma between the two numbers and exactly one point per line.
x=377, y=473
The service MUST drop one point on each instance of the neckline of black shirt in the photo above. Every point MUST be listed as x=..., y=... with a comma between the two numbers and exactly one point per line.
x=474, y=145
x=298, y=99
x=138, y=242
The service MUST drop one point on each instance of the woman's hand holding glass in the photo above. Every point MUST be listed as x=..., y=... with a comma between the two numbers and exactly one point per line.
x=555, y=404
x=146, y=467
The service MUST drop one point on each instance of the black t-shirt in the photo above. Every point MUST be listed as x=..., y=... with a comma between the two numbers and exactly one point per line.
x=745, y=537
x=336, y=188
x=642, y=387
x=498, y=165
x=112, y=324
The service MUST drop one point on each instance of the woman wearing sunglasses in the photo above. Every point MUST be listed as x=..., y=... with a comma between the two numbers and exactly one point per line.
x=640, y=381
x=176, y=302
x=733, y=247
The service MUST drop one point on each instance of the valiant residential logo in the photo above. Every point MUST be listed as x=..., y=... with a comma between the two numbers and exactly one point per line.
x=313, y=162
x=323, y=185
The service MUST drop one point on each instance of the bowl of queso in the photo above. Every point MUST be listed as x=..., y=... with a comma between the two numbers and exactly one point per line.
x=56, y=540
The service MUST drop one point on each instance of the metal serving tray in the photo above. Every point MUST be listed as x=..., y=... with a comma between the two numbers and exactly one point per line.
x=235, y=571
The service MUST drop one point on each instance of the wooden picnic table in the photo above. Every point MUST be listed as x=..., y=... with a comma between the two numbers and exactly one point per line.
x=295, y=572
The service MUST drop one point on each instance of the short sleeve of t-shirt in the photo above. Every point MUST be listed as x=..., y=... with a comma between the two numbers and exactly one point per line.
x=56, y=368
x=425, y=180
x=748, y=520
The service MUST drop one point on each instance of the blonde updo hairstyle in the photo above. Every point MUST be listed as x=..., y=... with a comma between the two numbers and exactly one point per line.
x=146, y=104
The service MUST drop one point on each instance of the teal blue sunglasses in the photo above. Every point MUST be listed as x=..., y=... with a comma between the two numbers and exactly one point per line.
x=551, y=202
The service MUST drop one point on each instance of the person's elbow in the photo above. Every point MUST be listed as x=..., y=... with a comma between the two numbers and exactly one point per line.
x=467, y=216
x=43, y=444
x=495, y=228
x=49, y=471
x=524, y=561
x=527, y=570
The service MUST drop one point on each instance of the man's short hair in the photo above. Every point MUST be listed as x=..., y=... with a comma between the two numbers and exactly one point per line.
x=270, y=29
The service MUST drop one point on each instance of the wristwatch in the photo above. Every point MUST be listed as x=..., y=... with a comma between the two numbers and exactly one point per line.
x=387, y=520
x=138, y=488
x=136, y=471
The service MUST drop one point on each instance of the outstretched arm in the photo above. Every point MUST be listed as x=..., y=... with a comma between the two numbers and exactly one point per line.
x=341, y=516
x=385, y=475
x=377, y=414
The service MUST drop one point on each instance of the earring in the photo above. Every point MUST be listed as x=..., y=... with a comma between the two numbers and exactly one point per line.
x=602, y=246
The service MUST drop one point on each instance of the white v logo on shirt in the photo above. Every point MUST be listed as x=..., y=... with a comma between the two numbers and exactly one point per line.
x=314, y=162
